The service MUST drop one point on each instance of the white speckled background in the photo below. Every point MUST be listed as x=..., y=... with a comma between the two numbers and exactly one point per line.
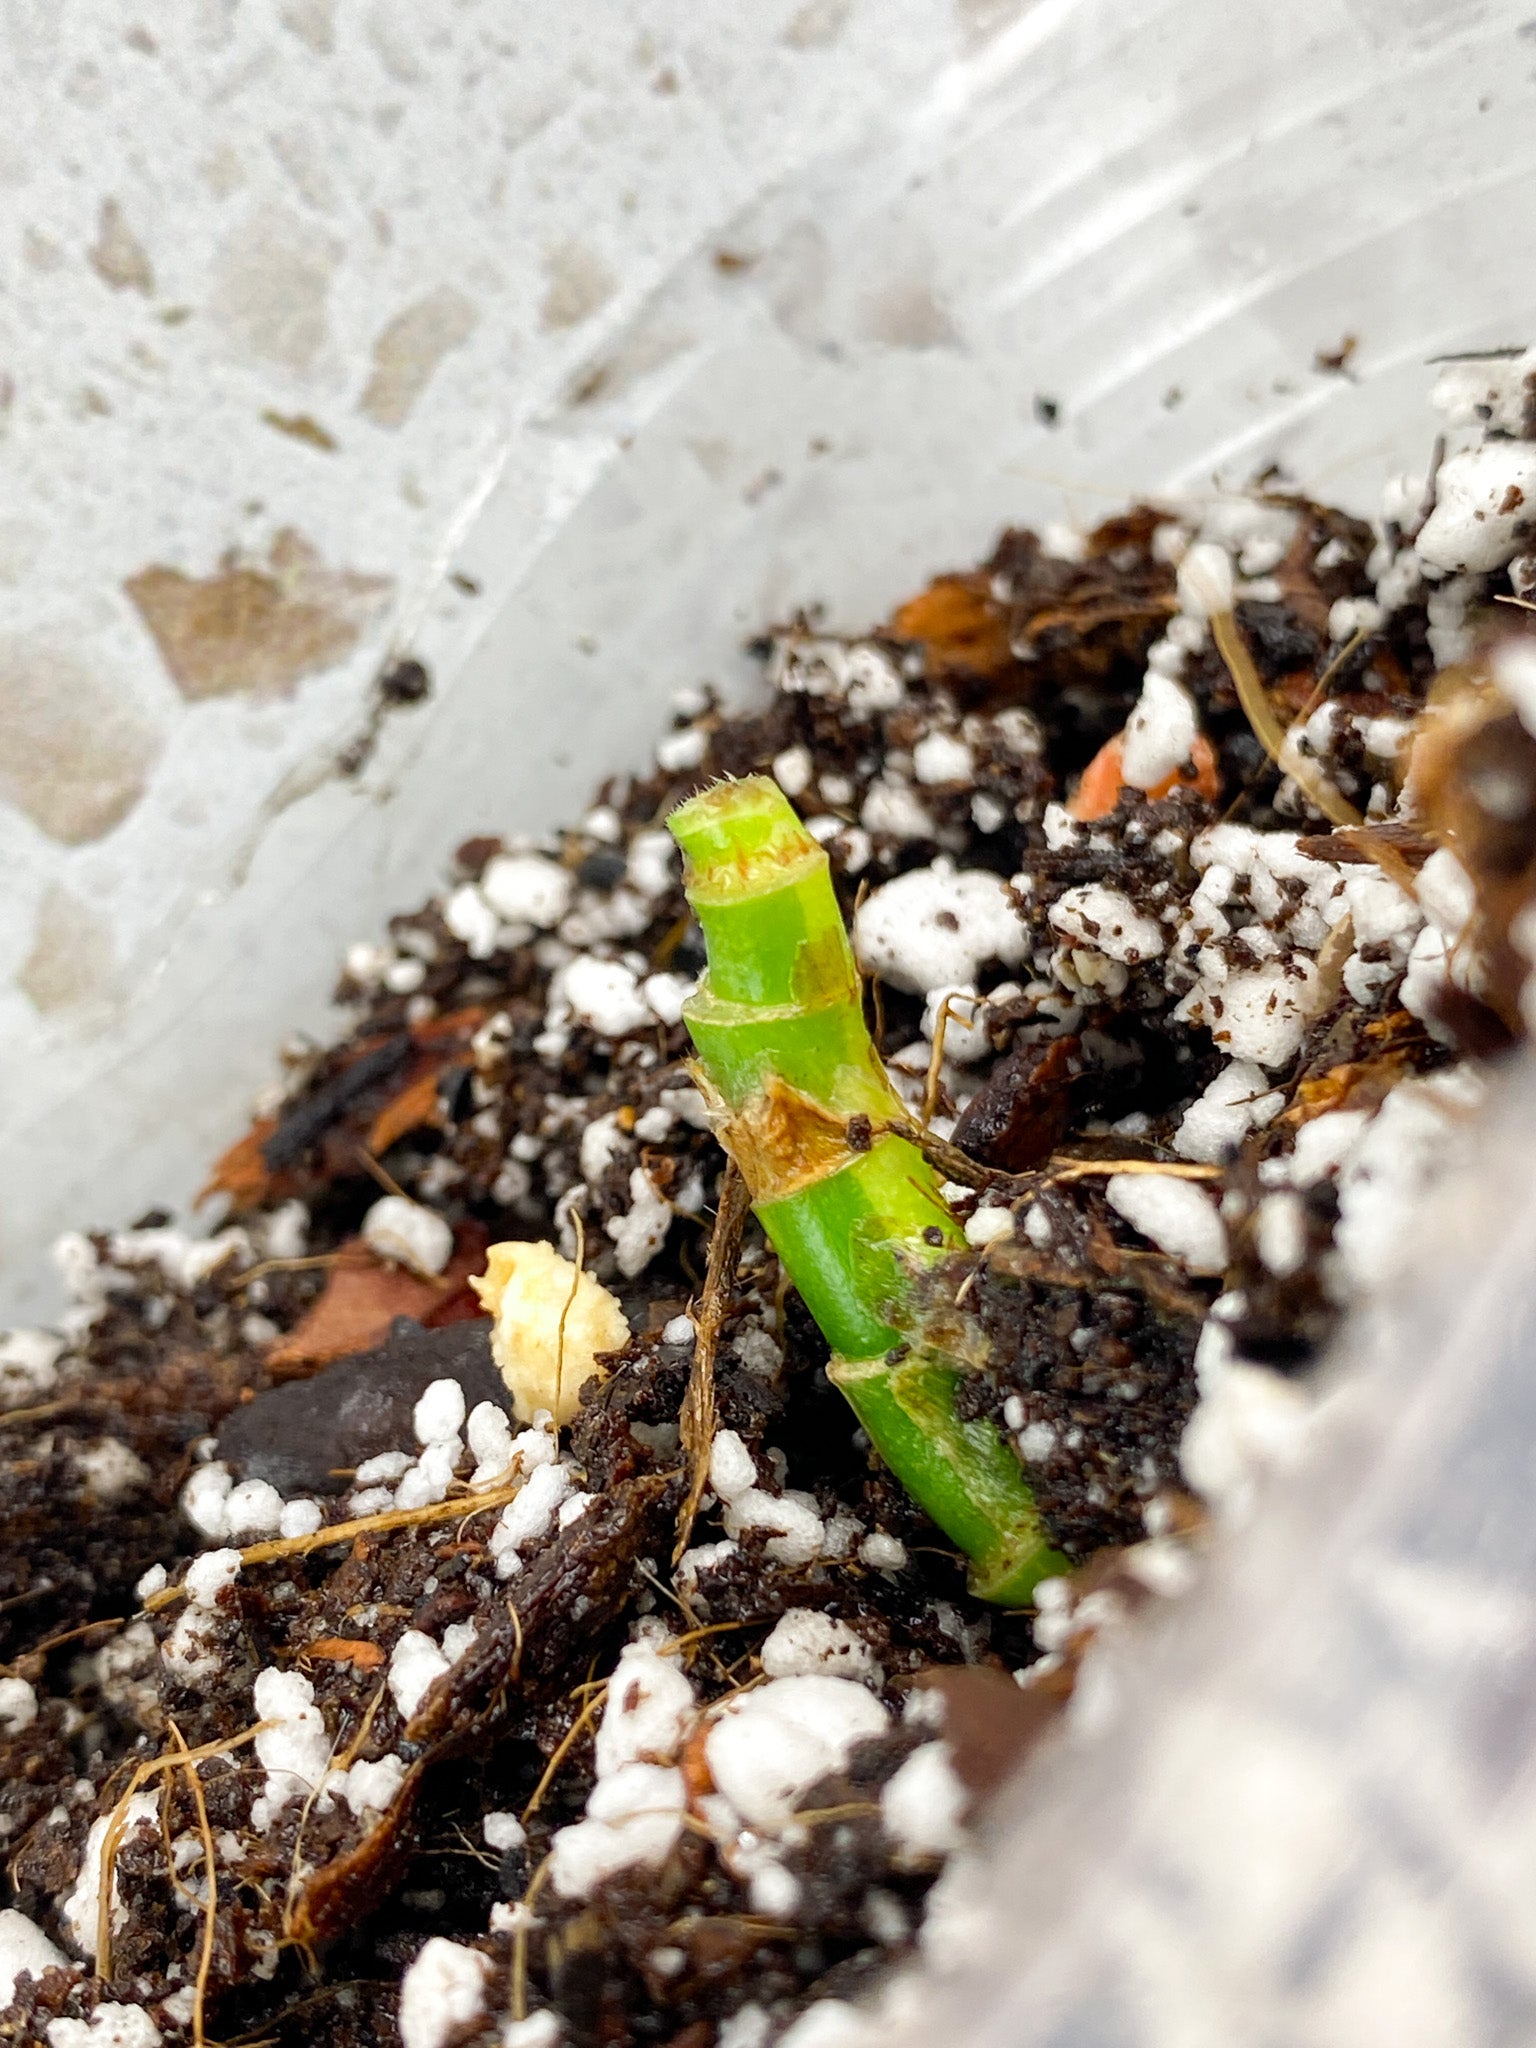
x=315, y=311
x=397, y=226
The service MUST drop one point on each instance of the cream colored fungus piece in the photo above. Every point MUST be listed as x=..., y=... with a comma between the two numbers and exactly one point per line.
x=550, y=1322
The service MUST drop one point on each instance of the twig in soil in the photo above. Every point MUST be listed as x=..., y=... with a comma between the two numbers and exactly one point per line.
x=846, y=1811
x=312, y=1264
x=1057, y=1171
x=702, y=1630
x=668, y=1593
x=45, y=1410
x=381, y=1174
x=1504, y=597
x=349, y=1754
x=210, y=1879
x=697, y=1419
x=960, y=1166
x=1356, y=639
x=462, y=1505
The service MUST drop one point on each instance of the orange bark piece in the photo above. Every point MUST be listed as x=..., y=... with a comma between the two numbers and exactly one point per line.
x=452, y=1028
x=416, y=1105
x=347, y=1650
x=959, y=624
x=241, y=1172
x=698, y=1779
x=362, y=1297
x=1356, y=1084
x=1103, y=779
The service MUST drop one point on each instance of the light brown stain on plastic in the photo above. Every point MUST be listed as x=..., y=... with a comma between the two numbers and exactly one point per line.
x=579, y=284
x=313, y=22
x=271, y=291
x=74, y=756
x=72, y=964
x=981, y=20
x=409, y=349
x=257, y=630
x=117, y=256
x=908, y=315
x=818, y=24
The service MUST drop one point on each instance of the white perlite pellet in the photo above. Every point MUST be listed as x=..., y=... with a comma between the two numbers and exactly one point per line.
x=804, y=1641
x=1178, y=1215
x=401, y=1230
x=442, y=1994
x=766, y=1748
x=934, y=928
x=439, y=1414
x=922, y=1805
x=1160, y=733
x=527, y=889
x=23, y=1947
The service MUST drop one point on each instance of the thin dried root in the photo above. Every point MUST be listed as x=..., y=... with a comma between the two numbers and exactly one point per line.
x=519, y=1998
x=168, y=1760
x=211, y=1879
x=1094, y=1169
x=698, y=1412
x=563, y=1749
x=1278, y=742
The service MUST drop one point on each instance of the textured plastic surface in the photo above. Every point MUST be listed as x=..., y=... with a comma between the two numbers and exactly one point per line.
x=1311, y=1820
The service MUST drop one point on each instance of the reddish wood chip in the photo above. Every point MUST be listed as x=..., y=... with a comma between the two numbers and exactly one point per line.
x=415, y=1106
x=347, y=1650
x=960, y=625
x=1019, y=1115
x=1104, y=778
x=241, y=1172
x=364, y=1295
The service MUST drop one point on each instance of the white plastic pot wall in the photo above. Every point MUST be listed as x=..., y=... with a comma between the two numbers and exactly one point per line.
x=1305, y=1814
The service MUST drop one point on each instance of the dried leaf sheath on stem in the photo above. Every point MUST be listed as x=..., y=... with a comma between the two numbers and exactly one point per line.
x=779, y=1028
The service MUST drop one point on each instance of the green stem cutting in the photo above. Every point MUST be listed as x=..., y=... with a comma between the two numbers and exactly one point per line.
x=853, y=1210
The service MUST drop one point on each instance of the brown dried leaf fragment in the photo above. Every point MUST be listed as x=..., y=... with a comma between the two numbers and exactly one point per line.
x=334, y=1898
x=417, y=1107
x=1474, y=773
x=364, y=1295
x=362, y=1655
x=1019, y=1115
x=242, y=1172
x=566, y=1599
